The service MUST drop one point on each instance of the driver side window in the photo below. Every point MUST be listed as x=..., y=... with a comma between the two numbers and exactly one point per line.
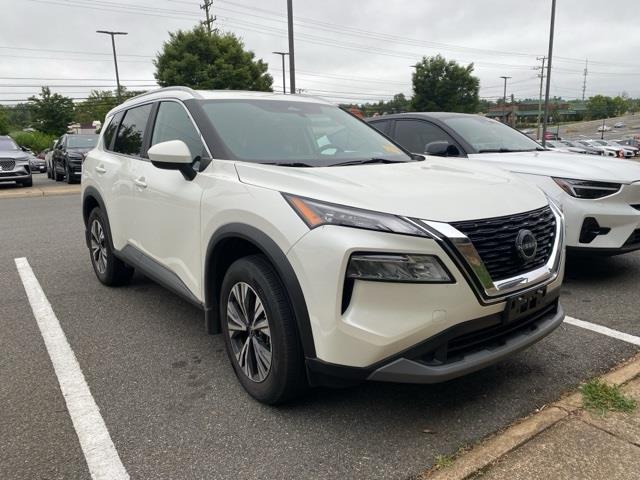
x=173, y=123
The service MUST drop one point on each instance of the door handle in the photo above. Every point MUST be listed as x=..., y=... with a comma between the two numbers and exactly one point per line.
x=101, y=169
x=140, y=182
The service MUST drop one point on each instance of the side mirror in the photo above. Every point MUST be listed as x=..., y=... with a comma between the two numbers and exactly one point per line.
x=173, y=155
x=442, y=149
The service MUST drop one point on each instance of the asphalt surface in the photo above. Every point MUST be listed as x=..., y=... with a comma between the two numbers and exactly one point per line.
x=590, y=129
x=174, y=409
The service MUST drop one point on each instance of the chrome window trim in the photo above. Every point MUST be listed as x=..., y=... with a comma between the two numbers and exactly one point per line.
x=463, y=253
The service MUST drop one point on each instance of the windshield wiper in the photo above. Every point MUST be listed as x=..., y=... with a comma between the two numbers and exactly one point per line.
x=366, y=162
x=288, y=164
x=507, y=150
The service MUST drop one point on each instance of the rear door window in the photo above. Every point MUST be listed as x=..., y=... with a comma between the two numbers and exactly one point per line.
x=129, y=139
x=415, y=135
x=381, y=125
x=110, y=131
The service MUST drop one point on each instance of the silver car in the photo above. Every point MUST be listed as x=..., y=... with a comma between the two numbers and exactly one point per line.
x=14, y=163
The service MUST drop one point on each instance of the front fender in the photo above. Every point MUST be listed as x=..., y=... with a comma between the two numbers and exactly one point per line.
x=282, y=266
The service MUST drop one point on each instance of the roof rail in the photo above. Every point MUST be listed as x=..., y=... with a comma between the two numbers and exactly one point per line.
x=166, y=89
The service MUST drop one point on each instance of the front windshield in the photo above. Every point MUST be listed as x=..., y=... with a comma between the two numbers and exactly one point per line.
x=486, y=135
x=82, y=141
x=8, y=145
x=296, y=133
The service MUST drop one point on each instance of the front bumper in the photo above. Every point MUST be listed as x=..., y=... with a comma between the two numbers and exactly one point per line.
x=359, y=325
x=457, y=351
x=617, y=217
x=18, y=173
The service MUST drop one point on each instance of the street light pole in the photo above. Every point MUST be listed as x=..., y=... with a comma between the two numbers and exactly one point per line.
x=292, y=62
x=284, y=87
x=115, y=59
x=504, y=98
x=549, y=58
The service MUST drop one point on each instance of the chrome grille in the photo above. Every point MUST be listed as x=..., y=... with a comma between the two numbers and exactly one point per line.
x=495, y=241
x=7, y=164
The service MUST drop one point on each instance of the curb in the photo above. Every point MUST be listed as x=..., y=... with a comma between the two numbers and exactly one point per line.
x=491, y=449
x=36, y=192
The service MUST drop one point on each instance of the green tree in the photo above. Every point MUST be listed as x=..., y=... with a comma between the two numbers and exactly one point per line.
x=18, y=116
x=441, y=85
x=52, y=113
x=600, y=106
x=219, y=61
x=98, y=104
x=4, y=122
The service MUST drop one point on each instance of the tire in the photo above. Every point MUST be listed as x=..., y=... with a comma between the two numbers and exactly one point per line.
x=69, y=176
x=273, y=331
x=27, y=183
x=109, y=269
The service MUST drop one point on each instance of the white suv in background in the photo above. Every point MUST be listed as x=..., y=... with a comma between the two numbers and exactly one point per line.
x=323, y=252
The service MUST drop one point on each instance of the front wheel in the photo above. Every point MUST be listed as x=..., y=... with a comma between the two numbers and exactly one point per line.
x=27, y=183
x=260, y=332
x=109, y=269
x=58, y=177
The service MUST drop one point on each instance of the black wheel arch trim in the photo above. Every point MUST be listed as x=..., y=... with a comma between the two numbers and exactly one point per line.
x=282, y=266
x=92, y=192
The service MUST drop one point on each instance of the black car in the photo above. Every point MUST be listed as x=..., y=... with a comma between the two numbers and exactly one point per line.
x=68, y=156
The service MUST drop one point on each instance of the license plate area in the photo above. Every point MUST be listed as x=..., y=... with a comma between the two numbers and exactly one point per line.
x=525, y=304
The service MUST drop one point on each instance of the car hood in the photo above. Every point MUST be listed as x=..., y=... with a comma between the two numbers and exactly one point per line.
x=14, y=155
x=78, y=151
x=565, y=165
x=432, y=189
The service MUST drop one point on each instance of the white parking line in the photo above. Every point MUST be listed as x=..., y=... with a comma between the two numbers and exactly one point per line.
x=102, y=458
x=625, y=337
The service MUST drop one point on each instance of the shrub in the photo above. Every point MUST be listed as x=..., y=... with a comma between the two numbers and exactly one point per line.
x=35, y=141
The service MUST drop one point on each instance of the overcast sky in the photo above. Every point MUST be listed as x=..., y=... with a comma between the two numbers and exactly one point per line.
x=356, y=50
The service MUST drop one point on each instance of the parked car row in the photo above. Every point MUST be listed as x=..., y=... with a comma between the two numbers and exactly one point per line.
x=329, y=252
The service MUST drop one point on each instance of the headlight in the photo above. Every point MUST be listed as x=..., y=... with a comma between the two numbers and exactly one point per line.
x=316, y=213
x=397, y=268
x=586, y=188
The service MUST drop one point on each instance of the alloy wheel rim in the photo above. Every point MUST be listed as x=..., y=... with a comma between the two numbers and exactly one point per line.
x=249, y=332
x=98, y=247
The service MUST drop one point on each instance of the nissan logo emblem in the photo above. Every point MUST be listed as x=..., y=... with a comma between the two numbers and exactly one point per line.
x=526, y=245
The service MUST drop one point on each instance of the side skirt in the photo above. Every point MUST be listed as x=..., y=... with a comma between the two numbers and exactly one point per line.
x=158, y=273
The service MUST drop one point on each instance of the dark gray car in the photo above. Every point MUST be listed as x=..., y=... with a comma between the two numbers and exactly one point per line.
x=14, y=163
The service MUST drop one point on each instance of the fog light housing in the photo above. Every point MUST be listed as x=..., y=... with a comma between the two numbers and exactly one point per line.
x=404, y=268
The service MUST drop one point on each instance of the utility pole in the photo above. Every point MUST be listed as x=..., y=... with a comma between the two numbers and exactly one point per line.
x=292, y=61
x=541, y=75
x=549, y=57
x=504, y=98
x=284, y=86
x=584, y=83
x=115, y=59
x=208, y=7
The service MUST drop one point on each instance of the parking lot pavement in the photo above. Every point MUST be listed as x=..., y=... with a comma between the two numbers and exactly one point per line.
x=174, y=409
x=42, y=187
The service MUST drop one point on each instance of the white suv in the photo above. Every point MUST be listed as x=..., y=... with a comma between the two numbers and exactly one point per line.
x=323, y=252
